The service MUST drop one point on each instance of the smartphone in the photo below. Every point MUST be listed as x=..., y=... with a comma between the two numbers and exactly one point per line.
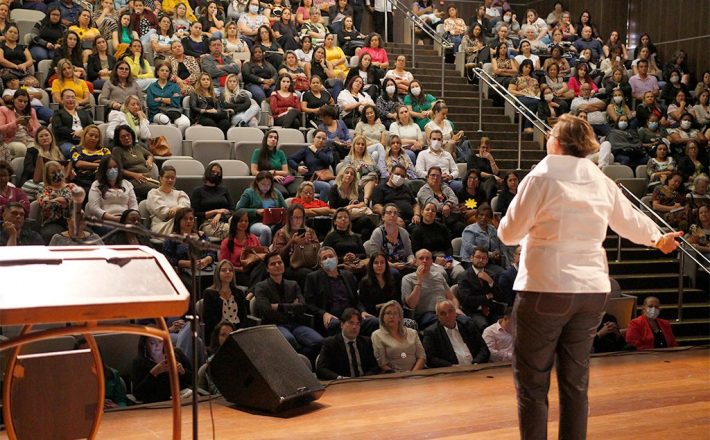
x=301, y=231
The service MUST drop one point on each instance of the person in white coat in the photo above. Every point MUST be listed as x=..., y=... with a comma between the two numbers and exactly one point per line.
x=560, y=217
x=131, y=114
x=163, y=202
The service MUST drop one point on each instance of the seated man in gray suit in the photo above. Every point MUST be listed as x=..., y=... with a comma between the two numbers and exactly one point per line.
x=217, y=64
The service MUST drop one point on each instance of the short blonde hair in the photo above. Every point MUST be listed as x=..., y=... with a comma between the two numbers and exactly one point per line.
x=303, y=186
x=400, y=311
x=575, y=136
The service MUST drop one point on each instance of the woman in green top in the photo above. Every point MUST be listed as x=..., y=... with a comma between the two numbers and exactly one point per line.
x=419, y=104
x=261, y=196
x=270, y=158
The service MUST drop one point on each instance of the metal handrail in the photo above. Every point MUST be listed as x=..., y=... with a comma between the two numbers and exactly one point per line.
x=511, y=99
x=417, y=22
x=684, y=244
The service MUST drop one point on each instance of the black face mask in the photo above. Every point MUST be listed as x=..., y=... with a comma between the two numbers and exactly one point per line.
x=215, y=179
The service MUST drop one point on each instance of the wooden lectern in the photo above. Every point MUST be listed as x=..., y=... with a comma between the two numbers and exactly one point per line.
x=83, y=286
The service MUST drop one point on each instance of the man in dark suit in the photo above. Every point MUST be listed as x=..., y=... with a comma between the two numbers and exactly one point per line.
x=346, y=354
x=478, y=293
x=451, y=341
x=507, y=279
x=329, y=291
x=279, y=301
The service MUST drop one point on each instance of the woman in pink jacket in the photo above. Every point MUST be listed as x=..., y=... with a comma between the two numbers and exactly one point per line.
x=18, y=125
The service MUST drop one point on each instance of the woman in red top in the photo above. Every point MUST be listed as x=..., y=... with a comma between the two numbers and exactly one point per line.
x=648, y=331
x=285, y=105
x=581, y=75
x=239, y=238
x=306, y=198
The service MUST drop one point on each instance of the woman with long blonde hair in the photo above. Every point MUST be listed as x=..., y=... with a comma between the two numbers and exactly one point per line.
x=246, y=110
x=367, y=173
x=205, y=108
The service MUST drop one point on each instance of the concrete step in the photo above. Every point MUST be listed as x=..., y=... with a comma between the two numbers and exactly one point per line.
x=691, y=327
x=632, y=253
x=628, y=267
x=667, y=295
x=658, y=280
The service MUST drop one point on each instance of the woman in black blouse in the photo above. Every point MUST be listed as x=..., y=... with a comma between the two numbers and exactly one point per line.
x=100, y=63
x=379, y=285
x=315, y=98
x=259, y=75
x=285, y=31
x=196, y=43
x=206, y=108
x=347, y=244
x=212, y=204
x=149, y=373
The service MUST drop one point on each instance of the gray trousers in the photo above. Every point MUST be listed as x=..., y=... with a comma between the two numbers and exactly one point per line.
x=546, y=325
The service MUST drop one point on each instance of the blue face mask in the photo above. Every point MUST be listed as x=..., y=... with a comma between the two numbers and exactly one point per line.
x=254, y=9
x=112, y=174
x=653, y=125
x=330, y=264
x=623, y=125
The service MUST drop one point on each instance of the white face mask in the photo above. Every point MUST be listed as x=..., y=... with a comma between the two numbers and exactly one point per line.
x=254, y=9
x=390, y=90
x=623, y=125
x=397, y=180
x=674, y=79
x=618, y=99
x=416, y=91
x=506, y=18
x=435, y=145
x=652, y=312
x=685, y=124
x=549, y=96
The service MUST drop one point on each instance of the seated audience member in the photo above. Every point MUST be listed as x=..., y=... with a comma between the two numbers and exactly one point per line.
x=55, y=201
x=678, y=105
x=643, y=82
x=314, y=99
x=285, y=31
x=434, y=236
x=670, y=202
x=246, y=110
x=352, y=101
x=499, y=339
x=272, y=159
x=322, y=68
x=396, y=155
x=660, y=167
x=471, y=191
x=196, y=43
x=626, y=145
x=487, y=167
x=68, y=122
x=18, y=125
x=31, y=85
x=506, y=279
x=479, y=293
x=259, y=75
x=394, y=192
x=110, y=195
x=314, y=28
x=608, y=337
x=593, y=107
x=649, y=106
x=451, y=140
x=285, y=105
x=443, y=198
x=120, y=86
x=236, y=242
x=386, y=104
x=618, y=108
x=223, y=301
x=580, y=78
x=315, y=160
x=279, y=302
x=421, y=290
x=401, y=77
x=132, y=218
x=669, y=93
x=295, y=237
x=338, y=137
x=67, y=80
x=206, y=108
x=149, y=373
x=419, y=104
x=397, y=348
x=336, y=57
x=482, y=234
x=164, y=201
x=373, y=132
x=648, y=331
x=363, y=164
x=510, y=189
x=651, y=133
x=131, y=114
x=699, y=233
x=184, y=69
x=379, y=284
x=256, y=199
x=346, y=354
x=212, y=203
x=698, y=196
x=587, y=42
x=10, y=193
x=315, y=209
x=13, y=231
x=392, y=239
x=370, y=74
x=86, y=156
x=437, y=157
x=46, y=34
x=141, y=69
x=217, y=65
x=76, y=233
x=219, y=335
x=685, y=133
x=136, y=161
x=451, y=341
x=329, y=291
x=408, y=132
x=347, y=244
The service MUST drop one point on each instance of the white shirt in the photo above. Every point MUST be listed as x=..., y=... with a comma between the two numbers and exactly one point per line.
x=427, y=159
x=560, y=217
x=499, y=342
x=596, y=117
x=379, y=6
x=463, y=354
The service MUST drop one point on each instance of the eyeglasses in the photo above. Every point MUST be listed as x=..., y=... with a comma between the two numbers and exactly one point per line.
x=123, y=68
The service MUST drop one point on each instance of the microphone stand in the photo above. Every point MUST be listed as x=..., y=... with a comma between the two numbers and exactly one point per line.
x=195, y=245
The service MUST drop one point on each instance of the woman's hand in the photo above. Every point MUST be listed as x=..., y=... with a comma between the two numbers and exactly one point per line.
x=159, y=368
x=446, y=210
x=302, y=169
x=278, y=179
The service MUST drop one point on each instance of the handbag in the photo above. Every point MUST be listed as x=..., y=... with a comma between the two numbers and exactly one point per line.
x=158, y=146
x=325, y=175
x=171, y=112
x=252, y=255
x=304, y=256
x=301, y=84
x=273, y=216
x=362, y=211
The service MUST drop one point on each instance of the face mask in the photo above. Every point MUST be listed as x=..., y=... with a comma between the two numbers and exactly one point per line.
x=397, y=180
x=618, y=99
x=506, y=18
x=623, y=125
x=58, y=177
x=390, y=89
x=254, y=9
x=330, y=264
x=214, y=179
x=435, y=145
x=549, y=97
x=652, y=313
x=685, y=125
x=674, y=79
x=653, y=125
x=112, y=174
x=416, y=91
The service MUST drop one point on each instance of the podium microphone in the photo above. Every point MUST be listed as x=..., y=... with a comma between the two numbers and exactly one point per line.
x=77, y=196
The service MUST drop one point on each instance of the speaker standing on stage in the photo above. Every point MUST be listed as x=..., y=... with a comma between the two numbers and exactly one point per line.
x=560, y=217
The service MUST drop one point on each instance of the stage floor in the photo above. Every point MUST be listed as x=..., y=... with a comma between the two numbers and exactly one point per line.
x=653, y=395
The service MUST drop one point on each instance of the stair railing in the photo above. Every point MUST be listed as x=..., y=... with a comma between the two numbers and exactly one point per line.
x=687, y=250
x=523, y=112
x=415, y=23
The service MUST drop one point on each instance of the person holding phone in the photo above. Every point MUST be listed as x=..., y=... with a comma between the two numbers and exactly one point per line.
x=18, y=125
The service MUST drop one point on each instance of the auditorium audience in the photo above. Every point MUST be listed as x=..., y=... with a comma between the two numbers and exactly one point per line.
x=315, y=160
x=136, y=161
x=236, y=242
x=482, y=234
x=347, y=353
x=69, y=122
x=55, y=201
x=149, y=373
x=397, y=348
x=223, y=301
x=422, y=289
x=18, y=125
x=648, y=331
x=499, y=339
x=10, y=193
x=348, y=245
x=164, y=201
x=297, y=244
x=670, y=202
x=212, y=203
x=110, y=194
x=379, y=285
x=256, y=199
x=479, y=292
x=44, y=149
x=452, y=341
x=14, y=231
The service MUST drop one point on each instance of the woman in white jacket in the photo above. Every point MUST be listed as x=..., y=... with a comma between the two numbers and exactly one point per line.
x=164, y=202
x=131, y=114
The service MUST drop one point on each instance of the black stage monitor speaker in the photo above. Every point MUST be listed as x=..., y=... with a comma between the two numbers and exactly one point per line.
x=256, y=367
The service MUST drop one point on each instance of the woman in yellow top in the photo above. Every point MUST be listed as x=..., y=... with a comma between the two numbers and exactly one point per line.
x=141, y=70
x=87, y=32
x=67, y=80
x=168, y=6
x=336, y=56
